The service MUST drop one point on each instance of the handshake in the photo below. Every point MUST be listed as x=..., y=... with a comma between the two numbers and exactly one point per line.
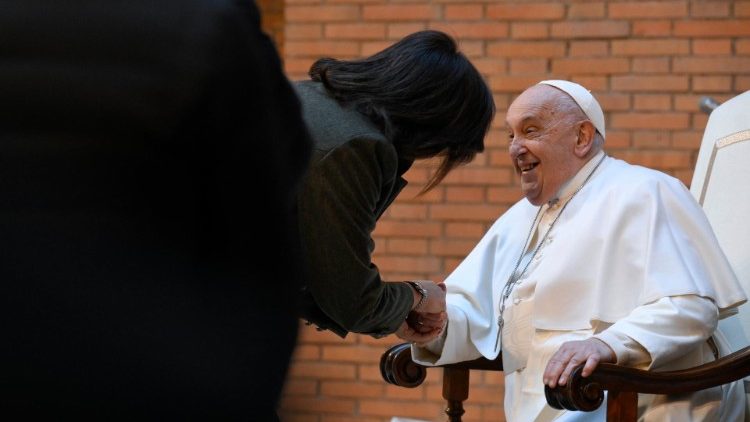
x=428, y=317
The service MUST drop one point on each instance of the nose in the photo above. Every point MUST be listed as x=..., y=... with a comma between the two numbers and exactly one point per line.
x=517, y=147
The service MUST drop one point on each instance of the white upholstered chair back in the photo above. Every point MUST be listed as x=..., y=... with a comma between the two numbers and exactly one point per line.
x=721, y=183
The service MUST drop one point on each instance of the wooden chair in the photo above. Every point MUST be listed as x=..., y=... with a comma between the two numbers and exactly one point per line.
x=721, y=183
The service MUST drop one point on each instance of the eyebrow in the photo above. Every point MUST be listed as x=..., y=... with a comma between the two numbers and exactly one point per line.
x=526, y=118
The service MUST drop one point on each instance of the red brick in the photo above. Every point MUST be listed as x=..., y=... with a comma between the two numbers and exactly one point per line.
x=591, y=66
x=464, y=212
x=463, y=11
x=712, y=83
x=742, y=9
x=711, y=65
x=709, y=9
x=341, y=418
x=459, y=248
x=408, y=263
x=288, y=2
x=294, y=387
x=526, y=66
x=491, y=66
x=613, y=102
x=595, y=29
x=296, y=69
x=742, y=47
x=651, y=65
x=475, y=30
x=712, y=47
x=663, y=160
x=464, y=194
x=319, y=405
x=500, y=157
x=637, y=120
x=451, y=264
x=648, y=9
x=650, y=83
x=321, y=48
x=593, y=83
x=504, y=195
x=306, y=352
x=465, y=230
x=404, y=409
x=526, y=11
x=741, y=83
x=650, y=47
x=618, y=138
x=401, y=393
x=400, y=12
x=400, y=30
x=320, y=13
x=526, y=49
x=371, y=47
x=476, y=176
x=355, y=31
x=339, y=371
x=408, y=211
x=303, y=31
x=588, y=48
x=372, y=372
x=412, y=192
x=529, y=31
x=686, y=102
x=407, y=246
x=708, y=28
x=471, y=49
x=699, y=120
x=588, y=10
x=515, y=84
x=296, y=416
x=655, y=139
x=689, y=139
x=645, y=102
x=351, y=389
x=652, y=28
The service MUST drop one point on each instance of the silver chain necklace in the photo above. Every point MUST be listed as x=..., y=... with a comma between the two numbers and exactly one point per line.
x=515, y=276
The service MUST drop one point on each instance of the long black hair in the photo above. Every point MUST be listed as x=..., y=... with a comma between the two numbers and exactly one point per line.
x=424, y=94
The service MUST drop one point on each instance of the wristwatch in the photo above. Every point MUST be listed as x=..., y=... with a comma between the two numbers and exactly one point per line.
x=422, y=291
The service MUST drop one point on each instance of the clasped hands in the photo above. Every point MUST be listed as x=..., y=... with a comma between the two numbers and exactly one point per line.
x=428, y=321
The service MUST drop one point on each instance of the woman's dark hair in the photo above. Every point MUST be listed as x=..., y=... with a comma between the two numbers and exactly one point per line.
x=424, y=94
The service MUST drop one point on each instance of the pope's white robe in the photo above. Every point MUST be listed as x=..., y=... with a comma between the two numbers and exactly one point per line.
x=633, y=260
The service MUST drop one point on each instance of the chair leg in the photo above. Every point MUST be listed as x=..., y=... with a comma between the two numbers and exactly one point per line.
x=455, y=391
x=622, y=406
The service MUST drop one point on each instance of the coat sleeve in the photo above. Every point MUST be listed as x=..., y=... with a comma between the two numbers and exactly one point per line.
x=338, y=211
x=662, y=331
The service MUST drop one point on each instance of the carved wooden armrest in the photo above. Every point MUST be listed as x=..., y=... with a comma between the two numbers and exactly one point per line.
x=587, y=394
x=397, y=368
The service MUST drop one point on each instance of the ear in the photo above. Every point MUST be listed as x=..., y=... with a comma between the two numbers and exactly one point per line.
x=585, y=141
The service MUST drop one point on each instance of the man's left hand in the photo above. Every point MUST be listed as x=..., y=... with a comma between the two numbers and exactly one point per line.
x=571, y=354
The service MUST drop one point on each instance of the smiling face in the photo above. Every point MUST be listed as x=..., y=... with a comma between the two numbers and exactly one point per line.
x=546, y=130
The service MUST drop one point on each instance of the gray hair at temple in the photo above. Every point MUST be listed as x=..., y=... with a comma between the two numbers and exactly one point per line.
x=580, y=99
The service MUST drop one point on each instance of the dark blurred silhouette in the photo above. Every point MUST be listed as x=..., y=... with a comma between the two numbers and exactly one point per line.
x=149, y=153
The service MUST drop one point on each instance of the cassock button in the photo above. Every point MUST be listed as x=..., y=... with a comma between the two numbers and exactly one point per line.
x=538, y=257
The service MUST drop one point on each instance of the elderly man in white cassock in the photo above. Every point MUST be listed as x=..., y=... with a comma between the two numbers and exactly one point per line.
x=602, y=261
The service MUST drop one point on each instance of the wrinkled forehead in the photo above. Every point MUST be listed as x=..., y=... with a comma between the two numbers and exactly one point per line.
x=540, y=102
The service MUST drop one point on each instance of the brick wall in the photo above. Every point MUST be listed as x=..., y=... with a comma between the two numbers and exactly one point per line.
x=648, y=62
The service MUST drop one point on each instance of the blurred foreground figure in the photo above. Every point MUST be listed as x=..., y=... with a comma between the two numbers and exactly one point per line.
x=143, y=146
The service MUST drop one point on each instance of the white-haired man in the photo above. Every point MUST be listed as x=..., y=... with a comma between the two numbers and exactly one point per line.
x=602, y=261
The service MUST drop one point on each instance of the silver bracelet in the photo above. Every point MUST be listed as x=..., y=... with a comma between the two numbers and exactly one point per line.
x=422, y=291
